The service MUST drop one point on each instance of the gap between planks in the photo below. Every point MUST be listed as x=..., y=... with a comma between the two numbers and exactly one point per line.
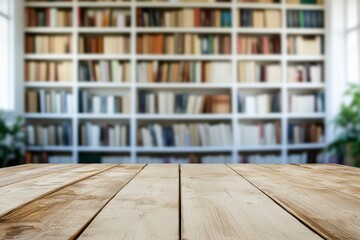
x=33, y=189
x=330, y=213
x=65, y=213
x=314, y=175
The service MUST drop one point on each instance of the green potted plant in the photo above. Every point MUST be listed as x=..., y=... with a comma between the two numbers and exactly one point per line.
x=346, y=145
x=12, y=141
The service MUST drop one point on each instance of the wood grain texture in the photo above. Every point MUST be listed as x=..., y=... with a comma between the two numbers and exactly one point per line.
x=317, y=176
x=7, y=171
x=31, y=171
x=217, y=203
x=340, y=170
x=17, y=194
x=146, y=208
x=330, y=213
x=64, y=214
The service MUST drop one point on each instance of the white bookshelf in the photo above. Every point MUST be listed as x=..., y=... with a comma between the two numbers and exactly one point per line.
x=134, y=118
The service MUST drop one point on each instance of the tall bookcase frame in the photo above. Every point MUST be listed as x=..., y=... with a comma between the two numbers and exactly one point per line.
x=134, y=118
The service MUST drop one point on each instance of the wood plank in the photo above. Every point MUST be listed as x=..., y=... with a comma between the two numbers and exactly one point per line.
x=341, y=170
x=31, y=172
x=18, y=194
x=146, y=208
x=8, y=170
x=65, y=213
x=317, y=176
x=330, y=213
x=217, y=203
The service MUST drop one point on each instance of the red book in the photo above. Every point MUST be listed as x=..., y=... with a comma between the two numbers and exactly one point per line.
x=276, y=44
x=80, y=17
x=197, y=17
x=262, y=136
x=265, y=45
x=47, y=16
x=239, y=45
x=254, y=49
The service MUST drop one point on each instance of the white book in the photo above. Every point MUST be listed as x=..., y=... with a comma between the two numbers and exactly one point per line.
x=69, y=103
x=118, y=141
x=30, y=134
x=120, y=20
x=124, y=134
x=58, y=104
x=95, y=136
x=96, y=104
x=158, y=134
x=112, y=137
x=52, y=134
x=110, y=103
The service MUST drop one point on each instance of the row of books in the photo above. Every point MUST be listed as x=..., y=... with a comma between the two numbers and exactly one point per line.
x=259, y=1
x=253, y=72
x=59, y=44
x=307, y=157
x=259, y=103
x=104, y=17
x=108, y=44
x=49, y=101
x=151, y=17
x=306, y=45
x=270, y=44
x=104, y=71
x=49, y=134
x=305, y=133
x=207, y=159
x=261, y=159
x=182, y=103
x=44, y=157
x=307, y=72
x=180, y=43
x=318, y=2
x=268, y=18
x=186, y=71
x=307, y=103
x=96, y=135
x=293, y=158
x=115, y=159
x=48, y=71
x=48, y=17
x=305, y=19
x=109, y=103
x=261, y=133
x=185, y=135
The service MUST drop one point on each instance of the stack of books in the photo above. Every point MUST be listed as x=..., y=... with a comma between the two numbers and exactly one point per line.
x=183, y=103
x=110, y=135
x=252, y=72
x=307, y=103
x=105, y=103
x=49, y=101
x=55, y=44
x=48, y=71
x=258, y=44
x=257, y=134
x=197, y=17
x=59, y=134
x=109, y=44
x=185, y=135
x=185, y=72
x=259, y=103
x=104, y=71
x=184, y=43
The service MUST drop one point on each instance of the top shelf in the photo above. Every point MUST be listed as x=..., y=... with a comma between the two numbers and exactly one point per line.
x=177, y=5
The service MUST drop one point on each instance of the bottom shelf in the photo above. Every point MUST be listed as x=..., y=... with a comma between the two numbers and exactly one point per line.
x=253, y=156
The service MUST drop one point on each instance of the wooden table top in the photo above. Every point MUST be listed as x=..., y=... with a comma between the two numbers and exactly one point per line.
x=108, y=201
